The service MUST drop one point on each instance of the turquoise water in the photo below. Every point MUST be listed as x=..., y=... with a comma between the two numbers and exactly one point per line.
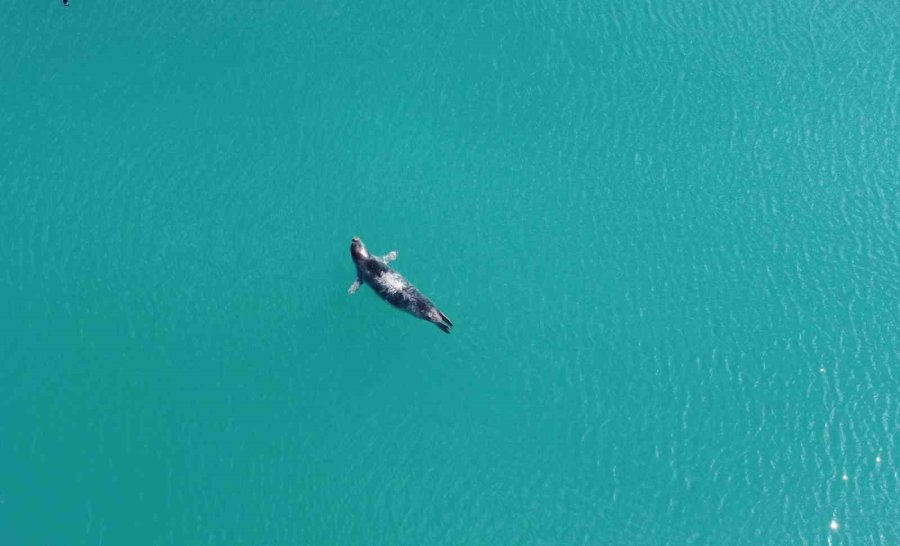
x=667, y=234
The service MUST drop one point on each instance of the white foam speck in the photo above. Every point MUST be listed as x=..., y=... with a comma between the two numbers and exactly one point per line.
x=878, y=459
x=844, y=477
x=834, y=525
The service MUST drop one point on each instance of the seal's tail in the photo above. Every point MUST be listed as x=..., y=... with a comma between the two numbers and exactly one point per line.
x=444, y=324
x=445, y=319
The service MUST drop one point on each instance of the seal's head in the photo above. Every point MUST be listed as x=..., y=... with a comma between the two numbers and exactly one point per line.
x=358, y=250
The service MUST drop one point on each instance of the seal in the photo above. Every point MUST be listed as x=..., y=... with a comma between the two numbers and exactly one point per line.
x=391, y=286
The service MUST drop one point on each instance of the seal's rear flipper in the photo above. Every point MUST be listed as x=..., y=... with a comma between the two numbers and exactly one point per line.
x=445, y=319
x=443, y=327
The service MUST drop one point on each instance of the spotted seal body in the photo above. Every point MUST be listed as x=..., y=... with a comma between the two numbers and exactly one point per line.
x=392, y=286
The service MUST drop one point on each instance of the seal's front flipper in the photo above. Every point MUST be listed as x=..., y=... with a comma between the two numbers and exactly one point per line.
x=390, y=256
x=354, y=287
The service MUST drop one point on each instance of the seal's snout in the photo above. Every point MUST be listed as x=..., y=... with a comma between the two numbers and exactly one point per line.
x=358, y=249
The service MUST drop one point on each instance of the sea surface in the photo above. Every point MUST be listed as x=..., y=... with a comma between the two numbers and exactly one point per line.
x=668, y=234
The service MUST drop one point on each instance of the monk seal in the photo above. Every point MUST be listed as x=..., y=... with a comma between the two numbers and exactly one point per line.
x=391, y=286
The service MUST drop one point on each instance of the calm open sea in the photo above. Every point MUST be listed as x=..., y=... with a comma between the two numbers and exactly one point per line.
x=668, y=234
